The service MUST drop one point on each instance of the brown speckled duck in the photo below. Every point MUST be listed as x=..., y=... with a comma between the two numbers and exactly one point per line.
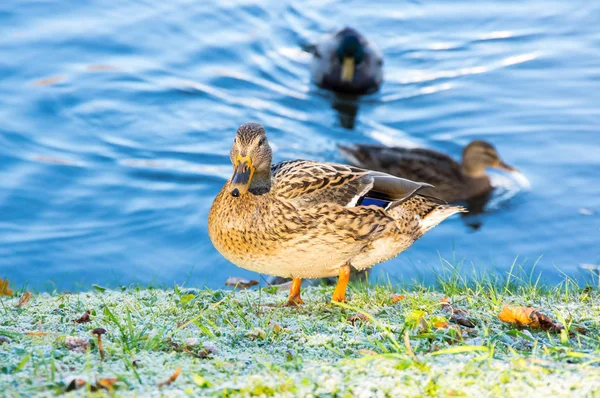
x=303, y=219
x=453, y=181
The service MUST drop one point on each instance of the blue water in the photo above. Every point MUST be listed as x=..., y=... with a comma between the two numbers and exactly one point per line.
x=116, y=120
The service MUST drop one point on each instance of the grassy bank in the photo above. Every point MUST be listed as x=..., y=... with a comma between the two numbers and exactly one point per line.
x=446, y=341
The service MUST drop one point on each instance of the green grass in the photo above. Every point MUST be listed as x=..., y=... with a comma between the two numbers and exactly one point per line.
x=241, y=343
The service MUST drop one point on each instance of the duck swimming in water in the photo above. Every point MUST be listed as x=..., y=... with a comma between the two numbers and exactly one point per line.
x=453, y=181
x=304, y=219
x=347, y=63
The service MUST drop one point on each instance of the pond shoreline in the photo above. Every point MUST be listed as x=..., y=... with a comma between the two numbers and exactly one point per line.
x=447, y=341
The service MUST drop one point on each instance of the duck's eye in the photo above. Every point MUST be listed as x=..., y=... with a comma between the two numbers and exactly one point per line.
x=261, y=142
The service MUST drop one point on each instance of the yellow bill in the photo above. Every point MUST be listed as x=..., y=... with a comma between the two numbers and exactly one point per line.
x=347, y=69
x=242, y=175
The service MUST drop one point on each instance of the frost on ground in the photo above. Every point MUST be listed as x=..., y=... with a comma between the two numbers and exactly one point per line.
x=241, y=343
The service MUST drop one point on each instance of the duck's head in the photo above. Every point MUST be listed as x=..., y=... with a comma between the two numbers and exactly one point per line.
x=478, y=156
x=350, y=53
x=251, y=156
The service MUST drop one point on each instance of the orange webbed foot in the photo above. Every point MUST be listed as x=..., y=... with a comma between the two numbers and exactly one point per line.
x=294, y=299
x=339, y=294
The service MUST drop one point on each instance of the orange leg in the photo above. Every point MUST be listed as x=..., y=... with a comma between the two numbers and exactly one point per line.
x=294, y=298
x=339, y=294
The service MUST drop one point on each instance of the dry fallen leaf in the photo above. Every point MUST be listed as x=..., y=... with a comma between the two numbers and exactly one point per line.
x=4, y=290
x=24, y=300
x=358, y=317
x=240, y=283
x=441, y=324
x=85, y=318
x=106, y=383
x=527, y=316
x=171, y=379
x=397, y=297
x=580, y=330
x=75, y=384
x=457, y=315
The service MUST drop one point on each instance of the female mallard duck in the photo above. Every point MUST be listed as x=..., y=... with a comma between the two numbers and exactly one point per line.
x=304, y=219
x=453, y=181
x=347, y=63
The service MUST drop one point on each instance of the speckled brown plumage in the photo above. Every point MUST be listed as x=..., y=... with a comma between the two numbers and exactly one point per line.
x=453, y=181
x=305, y=221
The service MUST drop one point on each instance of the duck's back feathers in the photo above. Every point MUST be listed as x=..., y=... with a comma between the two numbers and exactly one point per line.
x=418, y=164
x=307, y=182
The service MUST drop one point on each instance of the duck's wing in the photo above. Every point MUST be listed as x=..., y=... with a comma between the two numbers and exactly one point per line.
x=307, y=183
x=416, y=164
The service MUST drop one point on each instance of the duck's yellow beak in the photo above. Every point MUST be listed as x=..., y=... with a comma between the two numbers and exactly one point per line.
x=503, y=166
x=242, y=175
x=347, y=70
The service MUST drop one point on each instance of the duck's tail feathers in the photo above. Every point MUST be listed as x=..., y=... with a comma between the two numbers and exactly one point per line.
x=429, y=211
x=437, y=215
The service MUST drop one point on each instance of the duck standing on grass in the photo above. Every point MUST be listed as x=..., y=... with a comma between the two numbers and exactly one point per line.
x=453, y=181
x=303, y=219
x=347, y=63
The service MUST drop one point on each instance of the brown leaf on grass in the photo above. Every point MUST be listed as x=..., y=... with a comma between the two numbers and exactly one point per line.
x=171, y=379
x=397, y=297
x=48, y=81
x=24, y=300
x=106, y=383
x=75, y=384
x=580, y=330
x=528, y=316
x=358, y=317
x=240, y=283
x=4, y=290
x=441, y=324
x=457, y=315
x=85, y=318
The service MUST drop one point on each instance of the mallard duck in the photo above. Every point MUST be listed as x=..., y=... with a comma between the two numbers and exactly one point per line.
x=304, y=219
x=453, y=181
x=347, y=62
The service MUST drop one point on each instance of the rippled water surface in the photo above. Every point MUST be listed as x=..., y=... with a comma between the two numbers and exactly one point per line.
x=116, y=119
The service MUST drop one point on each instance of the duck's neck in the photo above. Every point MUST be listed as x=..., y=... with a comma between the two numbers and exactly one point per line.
x=473, y=171
x=261, y=182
